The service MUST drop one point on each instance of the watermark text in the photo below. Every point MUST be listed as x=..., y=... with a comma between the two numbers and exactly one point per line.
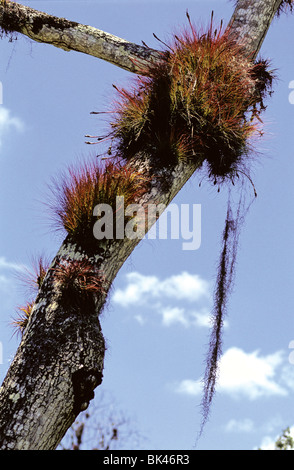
x=137, y=221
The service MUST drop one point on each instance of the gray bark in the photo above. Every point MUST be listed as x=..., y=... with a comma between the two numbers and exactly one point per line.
x=59, y=362
x=70, y=35
x=250, y=23
x=60, y=359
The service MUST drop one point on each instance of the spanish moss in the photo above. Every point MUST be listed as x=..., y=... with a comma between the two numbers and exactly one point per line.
x=224, y=284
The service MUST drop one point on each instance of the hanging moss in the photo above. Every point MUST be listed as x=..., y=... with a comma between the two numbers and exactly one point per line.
x=235, y=218
x=223, y=288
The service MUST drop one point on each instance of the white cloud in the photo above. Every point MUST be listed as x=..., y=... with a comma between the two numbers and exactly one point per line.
x=136, y=290
x=185, y=286
x=250, y=374
x=8, y=123
x=187, y=318
x=243, y=425
x=4, y=264
x=189, y=387
x=203, y=319
x=165, y=297
x=243, y=374
x=174, y=315
x=6, y=281
x=140, y=319
x=268, y=443
x=287, y=376
x=141, y=288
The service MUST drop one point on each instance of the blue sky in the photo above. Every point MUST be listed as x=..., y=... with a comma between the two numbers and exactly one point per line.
x=155, y=322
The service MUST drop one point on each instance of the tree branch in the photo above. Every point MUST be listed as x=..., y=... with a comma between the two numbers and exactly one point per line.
x=249, y=25
x=70, y=35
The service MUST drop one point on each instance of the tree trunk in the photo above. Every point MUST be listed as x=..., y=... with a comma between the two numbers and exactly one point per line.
x=60, y=359
x=59, y=362
x=56, y=368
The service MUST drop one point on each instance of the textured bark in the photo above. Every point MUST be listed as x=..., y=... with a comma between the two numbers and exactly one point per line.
x=250, y=23
x=59, y=362
x=60, y=359
x=56, y=368
x=70, y=35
